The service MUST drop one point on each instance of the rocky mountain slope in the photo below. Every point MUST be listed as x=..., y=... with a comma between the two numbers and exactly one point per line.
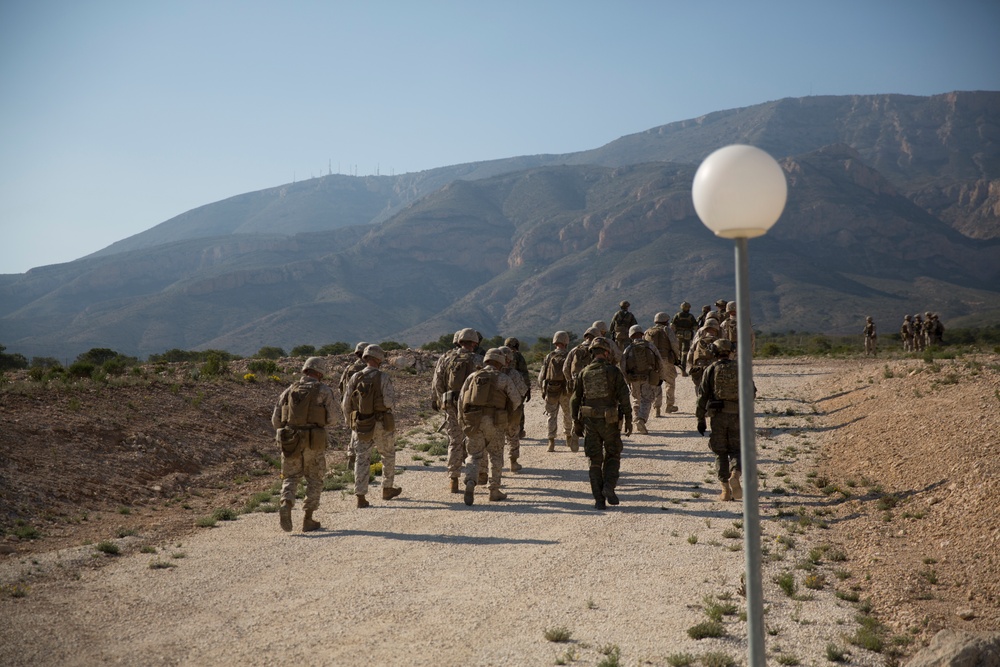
x=891, y=210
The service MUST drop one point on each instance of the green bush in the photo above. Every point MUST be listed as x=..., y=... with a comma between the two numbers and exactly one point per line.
x=81, y=369
x=268, y=352
x=303, y=351
x=332, y=349
x=262, y=366
x=387, y=345
x=10, y=362
x=214, y=365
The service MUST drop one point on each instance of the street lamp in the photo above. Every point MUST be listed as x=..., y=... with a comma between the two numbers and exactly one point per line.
x=739, y=192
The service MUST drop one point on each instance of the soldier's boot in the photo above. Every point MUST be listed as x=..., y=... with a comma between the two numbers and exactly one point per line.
x=308, y=524
x=483, y=478
x=552, y=445
x=610, y=495
x=390, y=492
x=514, y=465
x=727, y=493
x=658, y=412
x=684, y=371
x=640, y=426
x=597, y=488
x=362, y=501
x=285, y=517
x=454, y=485
x=573, y=442
x=497, y=494
x=734, y=484
x=470, y=493
x=673, y=408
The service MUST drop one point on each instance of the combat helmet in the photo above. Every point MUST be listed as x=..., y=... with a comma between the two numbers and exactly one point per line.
x=513, y=343
x=375, y=352
x=634, y=330
x=496, y=355
x=560, y=337
x=468, y=336
x=600, y=343
x=722, y=347
x=721, y=304
x=663, y=318
x=592, y=332
x=314, y=364
x=360, y=347
x=624, y=304
x=908, y=318
x=600, y=325
x=508, y=355
x=685, y=306
x=868, y=319
x=731, y=307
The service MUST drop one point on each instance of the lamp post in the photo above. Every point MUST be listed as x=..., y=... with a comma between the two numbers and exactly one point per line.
x=739, y=192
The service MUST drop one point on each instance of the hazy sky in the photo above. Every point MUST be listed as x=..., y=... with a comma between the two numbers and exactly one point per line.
x=118, y=115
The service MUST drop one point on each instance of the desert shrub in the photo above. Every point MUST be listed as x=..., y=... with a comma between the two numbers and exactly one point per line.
x=442, y=344
x=393, y=345
x=214, y=365
x=331, y=349
x=9, y=362
x=303, y=351
x=262, y=366
x=268, y=352
x=81, y=369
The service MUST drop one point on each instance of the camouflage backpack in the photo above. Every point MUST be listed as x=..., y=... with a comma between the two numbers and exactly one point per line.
x=299, y=401
x=639, y=359
x=460, y=366
x=367, y=396
x=554, y=380
x=727, y=382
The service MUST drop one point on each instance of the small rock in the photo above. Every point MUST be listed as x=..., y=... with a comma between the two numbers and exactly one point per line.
x=966, y=614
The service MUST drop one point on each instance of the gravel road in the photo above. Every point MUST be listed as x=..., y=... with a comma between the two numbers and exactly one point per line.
x=425, y=580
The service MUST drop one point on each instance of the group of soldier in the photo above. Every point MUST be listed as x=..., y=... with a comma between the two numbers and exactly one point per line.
x=616, y=375
x=916, y=332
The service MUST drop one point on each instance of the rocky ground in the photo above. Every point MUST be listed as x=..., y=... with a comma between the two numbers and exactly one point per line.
x=875, y=475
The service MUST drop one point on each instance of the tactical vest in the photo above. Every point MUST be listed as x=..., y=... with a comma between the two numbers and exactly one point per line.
x=301, y=408
x=685, y=322
x=658, y=336
x=483, y=392
x=460, y=366
x=727, y=383
x=703, y=355
x=355, y=366
x=596, y=379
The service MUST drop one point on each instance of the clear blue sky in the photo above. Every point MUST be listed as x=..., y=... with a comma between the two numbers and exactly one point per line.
x=117, y=115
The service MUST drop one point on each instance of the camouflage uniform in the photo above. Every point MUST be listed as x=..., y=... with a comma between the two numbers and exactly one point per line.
x=662, y=337
x=642, y=366
x=600, y=398
x=355, y=366
x=616, y=350
x=684, y=325
x=906, y=333
x=383, y=437
x=719, y=399
x=555, y=391
x=621, y=322
x=728, y=326
x=309, y=458
x=513, y=435
x=705, y=311
x=871, y=338
x=485, y=426
x=578, y=358
x=446, y=400
x=701, y=357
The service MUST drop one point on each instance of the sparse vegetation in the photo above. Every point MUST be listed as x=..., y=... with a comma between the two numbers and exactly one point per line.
x=706, y=629
x=560, y=633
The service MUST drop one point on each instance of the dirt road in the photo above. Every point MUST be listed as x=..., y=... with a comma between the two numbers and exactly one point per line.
x=425, y=580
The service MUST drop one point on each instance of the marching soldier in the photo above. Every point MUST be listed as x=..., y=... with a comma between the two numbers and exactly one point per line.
x=621, y=323
x=684, y=325
x=355, y=366
x=871, y=337
x=555, y=391
x=450, y=373
x=662, y=337
x=642, y=366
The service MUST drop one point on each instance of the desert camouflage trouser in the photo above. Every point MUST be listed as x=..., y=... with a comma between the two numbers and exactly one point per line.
x=724, y=441
x=669, y=375
x=643, y=395
x=513, y=436
x=552, y=413
x=456, y=440
x=871, y=345
x=602, y=443
x=385, y=442
x=487, y=441
x=308, y=461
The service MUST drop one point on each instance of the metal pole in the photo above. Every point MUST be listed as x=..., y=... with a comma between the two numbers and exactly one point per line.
x=748, y=457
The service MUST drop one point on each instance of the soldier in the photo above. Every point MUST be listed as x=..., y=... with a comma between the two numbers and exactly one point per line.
x=300, y=417
x=720, y=310
x=701, y=356
x=705, y=310
x=918, y=333
x=450, y=373
x=521, y=366
x=600, y=400
x=555, y=391
x=487, y=399
x=684, y=325
x=871, y=337
x=513, y=435
x=642, y=366
x=928, y=329
x=719, y=398
x=906, y=333
x=727, y=329
x=662, y=337
x=369, y=398
x=356, y=366
x=621, y=323
x=616, y=351
x=937, y=330
x=576, y=360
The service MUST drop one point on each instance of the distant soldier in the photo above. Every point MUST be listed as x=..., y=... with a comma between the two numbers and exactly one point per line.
x=720, y=310
x=621, y=322
x=918, y=333
x=871, y=337
x=705, y=310
x=356, y=366
x=369, y=398
x=684, y=325
x=513, y=434
x=576, y=360
x=642, y=366
x=450, y=373
x=300, y=417
x=555, y=391
x=728, y=329
x=600, y=401
x=937, y=330
x=616, y=350
x=663, y=338
x=906, y=333
x=521, y=366
x=719, y=399
x=488, y=397
x=701, y=355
